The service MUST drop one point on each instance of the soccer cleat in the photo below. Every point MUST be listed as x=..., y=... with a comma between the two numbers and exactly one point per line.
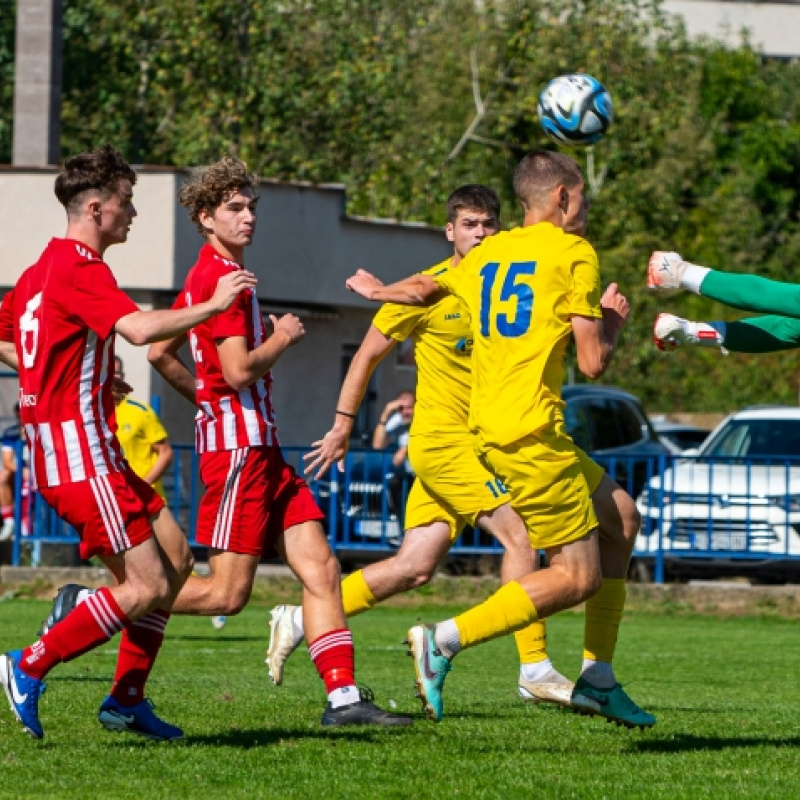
x=431, y=668
x=69, y=595
x=23, y=693
x=364, y=712
x=218, y=622
x=139, y=719
x=613, y=704
x=557, y=693
x=671, y=332
x=7, y=529
x=284, y=637
x=665, y=270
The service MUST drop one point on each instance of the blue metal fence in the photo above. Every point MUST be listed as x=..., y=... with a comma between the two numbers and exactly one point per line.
x=699, y=509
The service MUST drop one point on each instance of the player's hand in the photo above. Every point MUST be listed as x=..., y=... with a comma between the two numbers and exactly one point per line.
x=615, y=309
x=229, y=286
x=290, y=326
x=665, y=270
x=332, y=448
x=363, y=283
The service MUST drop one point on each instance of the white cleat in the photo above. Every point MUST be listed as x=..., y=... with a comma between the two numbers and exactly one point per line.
x=671, y=332
x=7, y=529
x=219, y=622
x=665, y=270
x=284, y=637
x=556, y=693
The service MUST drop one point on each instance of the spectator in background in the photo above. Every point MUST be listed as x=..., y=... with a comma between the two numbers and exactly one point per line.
x=392, y=432
x=8, y=476
x=140, y=432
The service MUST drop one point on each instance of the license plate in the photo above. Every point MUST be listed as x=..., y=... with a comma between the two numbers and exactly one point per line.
x=728, y=541
x=374, y=528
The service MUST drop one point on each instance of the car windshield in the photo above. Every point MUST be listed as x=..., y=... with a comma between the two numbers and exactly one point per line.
x=756, y=437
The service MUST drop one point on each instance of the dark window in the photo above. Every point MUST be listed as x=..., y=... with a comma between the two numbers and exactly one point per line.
x=604, y=425
x=578, y=425
x=361, y=435
x=630, y=426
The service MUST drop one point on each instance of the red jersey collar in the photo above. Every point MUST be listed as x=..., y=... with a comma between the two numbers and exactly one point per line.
x=208, y=253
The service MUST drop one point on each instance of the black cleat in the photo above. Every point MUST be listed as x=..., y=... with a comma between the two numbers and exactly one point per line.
x=364, y=712
x=65, y=601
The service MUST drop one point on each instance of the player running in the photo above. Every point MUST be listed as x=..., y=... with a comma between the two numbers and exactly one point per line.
x=516, y=415
x=254, y=502
x=779, y=330
x=454, y=489
x=57, y=328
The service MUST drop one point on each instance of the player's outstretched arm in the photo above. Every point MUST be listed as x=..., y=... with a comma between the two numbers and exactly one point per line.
x=144, y=327
x=417, y=290
x=767, y=334
x=169, y=365
x=596, y=339
x=747, y=292
x=242, y=367
x=332, y=448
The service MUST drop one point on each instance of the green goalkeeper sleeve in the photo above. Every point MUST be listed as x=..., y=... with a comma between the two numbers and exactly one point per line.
x=759, y=334
x=752, y=293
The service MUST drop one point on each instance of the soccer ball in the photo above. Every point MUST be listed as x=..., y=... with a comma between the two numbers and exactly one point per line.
x=575, y=110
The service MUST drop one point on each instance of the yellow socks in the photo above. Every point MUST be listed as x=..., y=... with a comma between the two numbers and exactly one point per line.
x=603, y=617
x=532, y=643
x=356, y=595
x=507, y=610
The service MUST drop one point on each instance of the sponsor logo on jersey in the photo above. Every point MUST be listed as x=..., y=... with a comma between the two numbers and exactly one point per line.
x=464, y=346
x=452, y=316
x=26, y=400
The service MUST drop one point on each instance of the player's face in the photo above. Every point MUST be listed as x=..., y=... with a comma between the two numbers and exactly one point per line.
x=116, y=213
x=577, y=211
x=234, y=221
x=470, y=228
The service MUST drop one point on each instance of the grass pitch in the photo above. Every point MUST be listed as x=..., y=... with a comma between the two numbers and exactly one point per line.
x=725, y=692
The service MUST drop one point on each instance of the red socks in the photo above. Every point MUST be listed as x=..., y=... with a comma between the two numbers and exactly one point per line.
x=88, y=625
x=332, y=654
x=138, y=648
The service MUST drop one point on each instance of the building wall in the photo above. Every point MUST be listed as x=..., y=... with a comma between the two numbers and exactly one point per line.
x=774, y=27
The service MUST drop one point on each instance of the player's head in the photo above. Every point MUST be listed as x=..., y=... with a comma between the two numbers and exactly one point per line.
x=96, y=189
x=473, y=213
x=406, y=401
x=550, y=185
x=119, y=375
x=221, y=200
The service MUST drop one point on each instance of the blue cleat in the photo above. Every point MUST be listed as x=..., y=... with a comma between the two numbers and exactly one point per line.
x=139, y=719
x=614, y=704
x=23, y=693
x=431, y=668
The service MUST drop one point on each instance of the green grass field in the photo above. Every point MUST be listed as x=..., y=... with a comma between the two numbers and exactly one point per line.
x=726, y=693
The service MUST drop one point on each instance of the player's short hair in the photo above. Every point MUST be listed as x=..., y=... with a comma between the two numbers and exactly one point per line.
x=540, y=172
x=207, y=188
x=99, y=171
x=473, y=197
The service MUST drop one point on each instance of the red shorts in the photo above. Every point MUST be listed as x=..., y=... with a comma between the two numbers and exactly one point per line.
x=252, y=496
x=111, y=513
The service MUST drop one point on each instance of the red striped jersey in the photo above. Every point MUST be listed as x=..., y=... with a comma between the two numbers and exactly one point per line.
x=61, y=316
x=228, y=419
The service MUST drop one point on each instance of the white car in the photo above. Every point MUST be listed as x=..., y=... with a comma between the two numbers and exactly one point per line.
x=738, y=494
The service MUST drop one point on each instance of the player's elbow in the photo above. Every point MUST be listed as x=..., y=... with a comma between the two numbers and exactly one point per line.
x=591, y=365
x=237, y=379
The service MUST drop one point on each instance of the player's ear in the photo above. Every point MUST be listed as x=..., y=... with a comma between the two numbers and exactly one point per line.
x=563, y=198
x=206, y=220
x=450, y=232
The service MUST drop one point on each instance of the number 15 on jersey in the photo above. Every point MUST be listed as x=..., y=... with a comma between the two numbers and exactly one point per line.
x=507, y=324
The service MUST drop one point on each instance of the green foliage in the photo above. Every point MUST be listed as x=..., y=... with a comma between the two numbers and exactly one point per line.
x=8, y=26
x=704, y=155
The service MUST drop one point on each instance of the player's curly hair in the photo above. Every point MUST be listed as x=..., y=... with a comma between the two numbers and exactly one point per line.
x=540, y=172
x=98, y=171
x=473, y=197
x=207, y=188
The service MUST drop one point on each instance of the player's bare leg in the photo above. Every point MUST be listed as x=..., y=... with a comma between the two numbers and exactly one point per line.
x=305, y=549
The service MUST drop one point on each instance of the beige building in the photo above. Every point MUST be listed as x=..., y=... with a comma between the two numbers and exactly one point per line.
x=305, y=247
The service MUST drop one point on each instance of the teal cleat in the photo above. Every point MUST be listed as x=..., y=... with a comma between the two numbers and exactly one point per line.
x=431, y=668
x=613, y=704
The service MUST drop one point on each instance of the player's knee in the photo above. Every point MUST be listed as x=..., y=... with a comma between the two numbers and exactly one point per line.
x=233, y=604
x=588, y=583
x=632, y=522
x=185, y=565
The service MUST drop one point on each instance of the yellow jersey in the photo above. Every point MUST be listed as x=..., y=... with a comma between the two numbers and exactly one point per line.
x=138, y=429
x=442, y=338
x=521, y=288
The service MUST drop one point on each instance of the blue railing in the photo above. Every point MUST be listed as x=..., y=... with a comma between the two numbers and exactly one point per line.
x=693, y=509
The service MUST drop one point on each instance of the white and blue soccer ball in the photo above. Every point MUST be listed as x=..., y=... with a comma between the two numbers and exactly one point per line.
x=575, y=110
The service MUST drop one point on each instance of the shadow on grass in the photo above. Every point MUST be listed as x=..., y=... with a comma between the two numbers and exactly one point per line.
x=217, y=638
x=247, y=739
x=685, y=742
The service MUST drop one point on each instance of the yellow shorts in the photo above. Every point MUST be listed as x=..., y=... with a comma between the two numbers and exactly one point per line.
x=544, y=474
x=452, y=486
x=591, y=470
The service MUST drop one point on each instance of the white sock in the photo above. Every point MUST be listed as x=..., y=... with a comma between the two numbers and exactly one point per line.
x=344, y=696
x=599, y=673
x=297, y=620
x=538, y=671
x=447, y=638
